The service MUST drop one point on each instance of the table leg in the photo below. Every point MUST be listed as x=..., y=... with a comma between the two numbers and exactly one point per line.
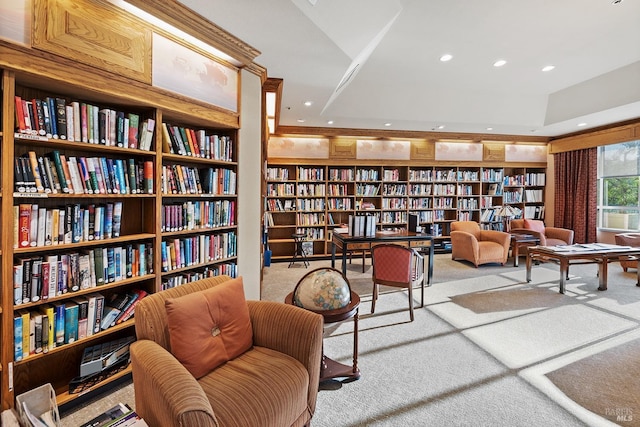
x=356, y=371
x=344, y=260
x=638, y=269
x=529, y=259
x=333, y=254
x=431, y=253
x=515, y=251
x=564, y=270
x=602, y=270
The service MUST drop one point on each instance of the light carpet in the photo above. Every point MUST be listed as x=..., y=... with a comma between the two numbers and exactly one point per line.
x=488, y=349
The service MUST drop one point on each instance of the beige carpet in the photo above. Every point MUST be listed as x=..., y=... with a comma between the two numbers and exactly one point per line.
x=488, y=349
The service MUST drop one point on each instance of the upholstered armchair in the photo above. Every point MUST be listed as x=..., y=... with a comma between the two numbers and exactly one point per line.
x=272, y=382
x=470, y=243
x=549, y=236
x=628, y=239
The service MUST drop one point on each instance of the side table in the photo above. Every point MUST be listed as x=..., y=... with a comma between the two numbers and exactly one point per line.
x=298, y=252
x=330, y=368
x=521, y=240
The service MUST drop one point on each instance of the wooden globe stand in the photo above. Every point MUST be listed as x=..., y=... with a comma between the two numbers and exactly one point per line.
x=331, y=369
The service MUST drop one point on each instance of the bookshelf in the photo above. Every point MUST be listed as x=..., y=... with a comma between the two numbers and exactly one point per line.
x=168, y=216
x=437, y=194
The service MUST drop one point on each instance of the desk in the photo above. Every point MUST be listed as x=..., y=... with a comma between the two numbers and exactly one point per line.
x=602, y=257
x=346, y=242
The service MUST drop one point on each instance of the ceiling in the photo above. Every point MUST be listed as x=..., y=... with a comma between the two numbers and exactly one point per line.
x=375, y=64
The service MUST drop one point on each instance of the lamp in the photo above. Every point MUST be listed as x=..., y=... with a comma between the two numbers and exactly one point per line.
x=507, y=213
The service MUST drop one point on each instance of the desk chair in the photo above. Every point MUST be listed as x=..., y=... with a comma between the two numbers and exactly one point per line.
x=399, y=266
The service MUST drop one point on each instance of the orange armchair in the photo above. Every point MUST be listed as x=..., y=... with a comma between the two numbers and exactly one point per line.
x=628, y=239
x=470, y=243
x=549, y=236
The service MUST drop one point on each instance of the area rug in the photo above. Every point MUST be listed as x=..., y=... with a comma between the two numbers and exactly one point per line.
x=607, y=383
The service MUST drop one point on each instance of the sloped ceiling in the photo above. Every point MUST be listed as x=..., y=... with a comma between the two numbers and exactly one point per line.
x=367, y=63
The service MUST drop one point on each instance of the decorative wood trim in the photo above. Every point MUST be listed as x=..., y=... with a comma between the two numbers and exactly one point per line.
x=342, y=148
x=493, y=152
x=95, y=34
x=613, y=135
x=423, y=150
x=199, y=27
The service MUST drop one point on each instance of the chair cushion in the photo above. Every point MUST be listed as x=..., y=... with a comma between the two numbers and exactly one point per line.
x=275, y=385
x=208, y=328
x=535, y=225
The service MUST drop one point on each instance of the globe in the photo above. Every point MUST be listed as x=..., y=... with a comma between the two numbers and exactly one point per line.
x=322, y=289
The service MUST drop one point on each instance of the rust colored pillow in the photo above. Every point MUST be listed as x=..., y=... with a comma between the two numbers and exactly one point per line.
x=208, y=328
x=535, y=225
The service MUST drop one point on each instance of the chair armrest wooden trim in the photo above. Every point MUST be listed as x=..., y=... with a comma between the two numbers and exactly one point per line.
x=166, y=394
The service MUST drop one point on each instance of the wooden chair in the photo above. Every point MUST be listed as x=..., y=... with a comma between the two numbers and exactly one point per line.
x=398, y=266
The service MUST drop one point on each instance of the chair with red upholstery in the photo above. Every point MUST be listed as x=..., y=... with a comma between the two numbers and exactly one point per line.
x=398, y=266
x=549, y=236
x=470, y=243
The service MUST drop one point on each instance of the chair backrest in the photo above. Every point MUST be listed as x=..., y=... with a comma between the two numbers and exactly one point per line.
x=471, y=227
x=517, y=223
x=151, y=315
x=392, y=263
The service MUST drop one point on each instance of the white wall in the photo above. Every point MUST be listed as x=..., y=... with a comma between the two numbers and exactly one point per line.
x=249, y=183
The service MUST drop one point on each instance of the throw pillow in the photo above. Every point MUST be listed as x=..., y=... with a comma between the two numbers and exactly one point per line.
x=535, y=225
x=209, y=328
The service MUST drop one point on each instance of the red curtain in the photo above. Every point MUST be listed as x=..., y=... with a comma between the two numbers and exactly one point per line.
x=576, y=174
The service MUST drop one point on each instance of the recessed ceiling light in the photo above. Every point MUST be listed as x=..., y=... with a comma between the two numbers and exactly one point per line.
x=308, y=103
x=300, y=120
x=548, y=67
x=387, y=124
x=330, y=122
x=499, y=63
x=582, y=124
x=489, y=128
x=441, y=127
x=446, y=57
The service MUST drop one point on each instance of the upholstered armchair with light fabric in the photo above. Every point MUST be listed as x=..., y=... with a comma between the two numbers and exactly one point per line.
x=628, y=239
x=470, y=243
x=549, y=236
x=267, y=374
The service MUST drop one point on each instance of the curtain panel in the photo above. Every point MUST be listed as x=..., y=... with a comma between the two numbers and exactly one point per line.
x=576, y=174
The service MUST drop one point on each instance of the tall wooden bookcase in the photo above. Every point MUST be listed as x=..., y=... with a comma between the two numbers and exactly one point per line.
x=153, y=222
x=315, y=198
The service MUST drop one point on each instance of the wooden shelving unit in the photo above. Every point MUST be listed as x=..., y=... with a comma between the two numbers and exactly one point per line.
x=314, y=199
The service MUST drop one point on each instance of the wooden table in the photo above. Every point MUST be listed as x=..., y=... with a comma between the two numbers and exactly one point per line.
x=330, y=369
x=594, y=253
x=519, y=241
x=348, y=243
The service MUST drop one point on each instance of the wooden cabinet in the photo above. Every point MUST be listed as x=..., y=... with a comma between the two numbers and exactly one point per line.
x=175, y=211
x=315, y=199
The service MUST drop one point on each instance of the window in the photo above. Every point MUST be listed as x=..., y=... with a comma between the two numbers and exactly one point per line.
x=619, y=186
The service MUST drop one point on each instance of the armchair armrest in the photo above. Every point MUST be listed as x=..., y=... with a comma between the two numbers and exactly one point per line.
x=166, y=393
x=293, y=331
x=464, y=245
x=563, y=234
x=500, y=237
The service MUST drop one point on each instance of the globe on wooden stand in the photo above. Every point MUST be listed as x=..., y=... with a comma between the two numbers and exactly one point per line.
x=326, y=291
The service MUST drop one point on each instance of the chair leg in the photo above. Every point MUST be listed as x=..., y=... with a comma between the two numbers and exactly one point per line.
x=364, y=261
x=374, y=298
x=411, y=302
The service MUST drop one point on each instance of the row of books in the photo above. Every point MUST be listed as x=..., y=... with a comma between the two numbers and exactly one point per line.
x=277, y=205
x=277, y=174
x=53, y=325
x=55, y=173
x=39, y=278
x=311, y=189
x=181, y=179
x=196, y=143
x=280, y=190
x=190, y=251
x=198, y=215
x=310, y=174
x=362, y=225
x=58, y=118
x=37, y=226
x=227, y=268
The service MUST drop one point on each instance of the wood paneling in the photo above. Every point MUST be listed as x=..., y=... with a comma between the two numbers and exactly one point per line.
x=342, y=149
x=493, y=151
x=609, y=136
x=423, y=150
x=93, y=34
